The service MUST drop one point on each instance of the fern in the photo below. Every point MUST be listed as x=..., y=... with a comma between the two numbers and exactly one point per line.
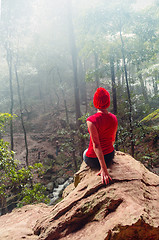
x=152, y=116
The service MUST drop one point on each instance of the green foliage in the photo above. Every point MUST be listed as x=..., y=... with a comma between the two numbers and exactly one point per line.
x=14, y=180
x=39, y=169
x=6, y=156
x=151, y=117
x=17, y=180
x=145, y=140
x=90, y=76
x=4, y=118
x=19, y=177
x=83, y=126
x=123, y=140
x=146, y=157
x=84, y=117
x=155, y=128
x=36, y=194
x=70, y=141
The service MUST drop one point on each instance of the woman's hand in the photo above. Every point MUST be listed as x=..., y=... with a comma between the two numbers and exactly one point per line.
x=104, y=176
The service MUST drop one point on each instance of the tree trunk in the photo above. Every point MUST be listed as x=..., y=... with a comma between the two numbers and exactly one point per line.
x=72, y=141
x=155, y=87
x=40, y=92
x=21, y=115
x=96, y=69
x=118, y=73
x=129, y=97
x=113, y=85
x=114, y=92
x=3, y=205
x=9, y=62
x=58, y=100
x=122, y=75
x=74, y=160
x=24, y=99
x=74, y=61
x=64, y=99
x=83, y=88
x=143, y=88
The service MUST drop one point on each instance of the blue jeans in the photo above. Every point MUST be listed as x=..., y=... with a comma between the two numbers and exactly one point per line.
x=94, y=162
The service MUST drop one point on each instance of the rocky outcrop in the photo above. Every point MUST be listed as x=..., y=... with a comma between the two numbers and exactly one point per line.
x=126, y=209
x=19, y=223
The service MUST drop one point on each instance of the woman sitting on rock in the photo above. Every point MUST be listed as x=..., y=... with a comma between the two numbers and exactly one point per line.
x=102, y=127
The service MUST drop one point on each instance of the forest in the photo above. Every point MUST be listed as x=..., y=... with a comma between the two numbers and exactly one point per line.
x=54, y=54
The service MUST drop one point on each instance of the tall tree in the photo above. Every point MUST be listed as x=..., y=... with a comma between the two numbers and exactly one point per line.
x=64, y=97
x=113, y=84
x=128, y=92
x=9, y=62
x=82, y=84
x=76, y=84
x=74, y=60
x=96, y=69
x=21, y=114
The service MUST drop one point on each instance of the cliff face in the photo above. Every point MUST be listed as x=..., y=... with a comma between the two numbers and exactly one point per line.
x=128, y=208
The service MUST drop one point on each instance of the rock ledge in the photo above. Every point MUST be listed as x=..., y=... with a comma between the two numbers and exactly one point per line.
x=127, y=209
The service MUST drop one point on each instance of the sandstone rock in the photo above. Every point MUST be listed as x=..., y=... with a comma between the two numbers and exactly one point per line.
x=92, y=210
x=19, y=223
x=60, y=180
x=50, y=186
x=126, y=209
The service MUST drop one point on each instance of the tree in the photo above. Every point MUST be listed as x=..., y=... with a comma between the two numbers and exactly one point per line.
x=64, y=98
x=16, y=181
x=9, y=62
x=113, y=85
x=21, y=114
x=74, y=61
x=129, y=97
x=87, y=48
x=82, y=84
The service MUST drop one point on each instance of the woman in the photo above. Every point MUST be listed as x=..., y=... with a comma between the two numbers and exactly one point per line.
x=102, y=127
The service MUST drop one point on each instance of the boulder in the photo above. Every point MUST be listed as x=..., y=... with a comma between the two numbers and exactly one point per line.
x=50, y=186
x=60, y=180
x=126, y=209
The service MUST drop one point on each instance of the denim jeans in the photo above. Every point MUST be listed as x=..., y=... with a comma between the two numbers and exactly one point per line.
x=94, y=162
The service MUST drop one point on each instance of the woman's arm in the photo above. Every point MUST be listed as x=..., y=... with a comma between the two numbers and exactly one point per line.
x=115, y=134
x=98, y=151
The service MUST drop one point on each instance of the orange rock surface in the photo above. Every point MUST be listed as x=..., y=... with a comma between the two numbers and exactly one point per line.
x=126, y=209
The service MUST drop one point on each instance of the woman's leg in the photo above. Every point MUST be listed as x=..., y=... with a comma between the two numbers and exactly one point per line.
x=91, y=162
x=109, y=158
x=94, y=162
